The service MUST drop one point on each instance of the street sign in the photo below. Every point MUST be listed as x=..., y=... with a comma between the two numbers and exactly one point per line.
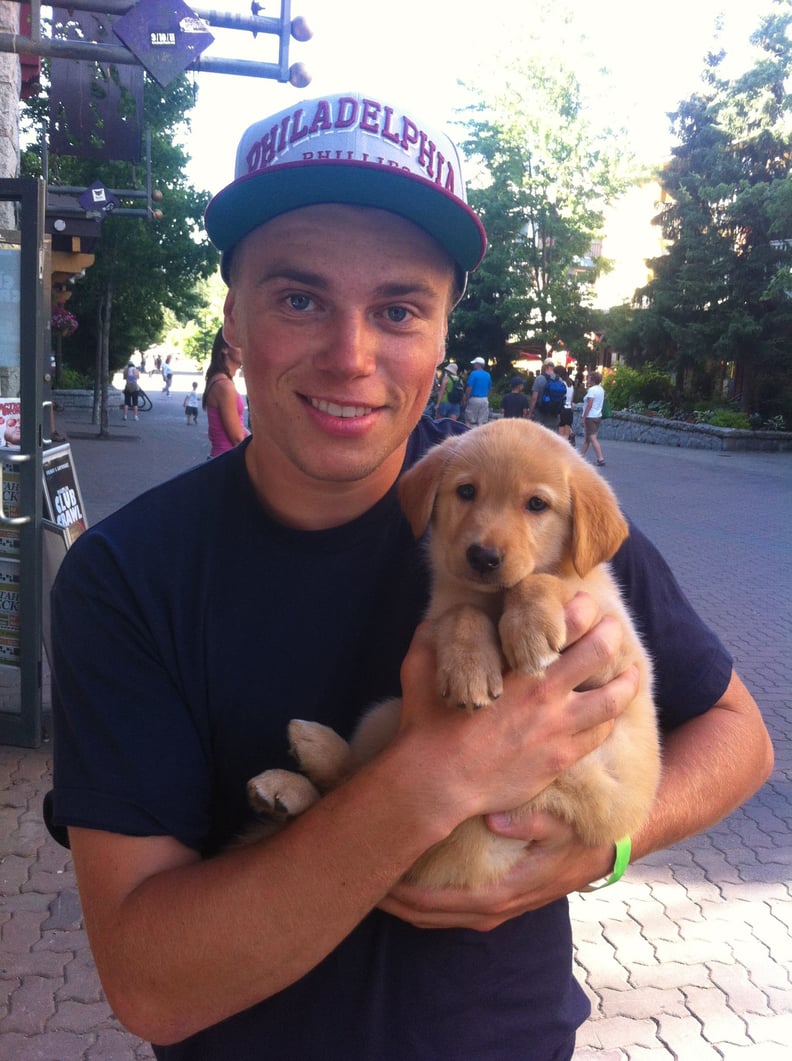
x=97, y=200
x=166, y=36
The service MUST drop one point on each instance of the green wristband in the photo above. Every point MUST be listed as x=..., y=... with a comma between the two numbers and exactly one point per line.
x=621, y=862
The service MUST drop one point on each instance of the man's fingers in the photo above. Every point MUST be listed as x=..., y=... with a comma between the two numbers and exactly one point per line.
x=598, y=709
x=581, y=613
x=591, y=654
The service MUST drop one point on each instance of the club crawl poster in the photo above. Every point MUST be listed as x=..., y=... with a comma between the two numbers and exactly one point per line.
x=62, y=498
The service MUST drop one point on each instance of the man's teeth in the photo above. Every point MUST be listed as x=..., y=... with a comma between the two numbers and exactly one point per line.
x=349, y=411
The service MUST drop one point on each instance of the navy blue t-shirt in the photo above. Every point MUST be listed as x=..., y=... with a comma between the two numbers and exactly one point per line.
x=174, y=682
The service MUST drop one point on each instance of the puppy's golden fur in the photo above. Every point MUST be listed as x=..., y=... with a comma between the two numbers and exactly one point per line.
x=519, y=523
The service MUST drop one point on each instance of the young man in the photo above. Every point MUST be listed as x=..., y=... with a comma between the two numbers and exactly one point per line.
x=479, y=384
x=345, y=241
x=515, y=403
x=545, y=413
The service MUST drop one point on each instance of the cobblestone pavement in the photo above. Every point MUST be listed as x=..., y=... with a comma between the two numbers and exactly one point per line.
x=689, y=957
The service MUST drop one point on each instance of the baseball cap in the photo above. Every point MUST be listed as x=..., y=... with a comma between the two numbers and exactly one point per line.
x=517, y=379
x=354, y=149
x=548, y=361
x=478, y=361
x=452, y=366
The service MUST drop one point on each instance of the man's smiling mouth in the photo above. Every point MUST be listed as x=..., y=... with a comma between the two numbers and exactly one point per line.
x=348, y=412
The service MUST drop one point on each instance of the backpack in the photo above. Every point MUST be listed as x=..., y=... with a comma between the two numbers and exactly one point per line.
x=456, y=390
x=553, y=396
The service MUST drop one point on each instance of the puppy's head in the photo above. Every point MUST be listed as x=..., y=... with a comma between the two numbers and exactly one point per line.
x=507, y=500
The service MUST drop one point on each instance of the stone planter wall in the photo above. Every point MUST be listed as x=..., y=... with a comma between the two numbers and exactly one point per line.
x=654, y=430
x=79, y=399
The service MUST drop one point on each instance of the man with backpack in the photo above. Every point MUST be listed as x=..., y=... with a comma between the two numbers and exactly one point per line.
x=548, y=396
x=452, y=391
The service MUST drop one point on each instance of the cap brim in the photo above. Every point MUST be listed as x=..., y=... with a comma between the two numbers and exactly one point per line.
x=255, y=199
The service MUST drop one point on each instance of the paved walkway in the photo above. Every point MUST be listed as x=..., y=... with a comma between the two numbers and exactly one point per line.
x=690, y=957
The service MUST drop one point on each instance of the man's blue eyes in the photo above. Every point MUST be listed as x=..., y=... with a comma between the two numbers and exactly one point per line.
x=299, y=301
x=395, y=314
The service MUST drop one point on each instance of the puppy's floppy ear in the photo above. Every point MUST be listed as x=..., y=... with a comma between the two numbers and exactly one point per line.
x=418, y=486
x=598, y=527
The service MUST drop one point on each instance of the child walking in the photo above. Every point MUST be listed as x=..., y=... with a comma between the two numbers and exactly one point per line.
x=191, y=403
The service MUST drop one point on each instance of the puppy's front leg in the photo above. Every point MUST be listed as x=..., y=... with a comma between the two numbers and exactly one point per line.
x=533, y=626
x=469, y=659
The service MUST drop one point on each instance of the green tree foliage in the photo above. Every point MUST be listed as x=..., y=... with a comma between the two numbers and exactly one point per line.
x=544, y=178
x=722, y=291
x=143, y=267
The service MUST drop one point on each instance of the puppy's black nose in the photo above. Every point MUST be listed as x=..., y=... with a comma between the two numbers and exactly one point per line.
x=483, y=561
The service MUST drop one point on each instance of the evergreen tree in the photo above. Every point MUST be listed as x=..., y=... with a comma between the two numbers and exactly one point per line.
x=721, y=293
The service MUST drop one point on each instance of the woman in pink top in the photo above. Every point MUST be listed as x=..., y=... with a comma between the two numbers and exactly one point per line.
x=224, y=405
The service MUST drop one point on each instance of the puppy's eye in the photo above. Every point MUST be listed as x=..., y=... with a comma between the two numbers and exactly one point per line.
x=466, y=491
x=536, y=504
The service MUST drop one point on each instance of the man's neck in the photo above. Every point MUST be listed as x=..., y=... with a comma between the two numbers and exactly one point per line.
x=312, y=504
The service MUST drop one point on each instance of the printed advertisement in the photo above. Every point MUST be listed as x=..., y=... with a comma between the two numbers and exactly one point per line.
x=62, y=498
x=10, y=435
x=9, y=613
x=9, y=536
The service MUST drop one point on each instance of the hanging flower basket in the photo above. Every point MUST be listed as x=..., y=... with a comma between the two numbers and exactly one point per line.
x=62, y=322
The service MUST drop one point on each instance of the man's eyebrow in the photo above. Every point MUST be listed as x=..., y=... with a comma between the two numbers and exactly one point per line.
x=293, y=275
x=405, y=289
x=390, y=289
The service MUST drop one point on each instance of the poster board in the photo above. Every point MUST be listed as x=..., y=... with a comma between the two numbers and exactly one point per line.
x=55, y=542
x=63, y=503
x=9, y=613
x=12, y=487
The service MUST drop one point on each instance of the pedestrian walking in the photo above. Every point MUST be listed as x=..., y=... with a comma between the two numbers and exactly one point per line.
x=191, y=403
x=567, y=414
x=515, y=403
x=548, y=396
x=479, y=384
x=592, y=417
x=452, y=391
x=167, y=376
x=131, y=396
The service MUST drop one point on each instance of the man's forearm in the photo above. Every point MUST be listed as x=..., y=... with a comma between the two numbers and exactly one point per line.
x=193, y=942
x=712, y=764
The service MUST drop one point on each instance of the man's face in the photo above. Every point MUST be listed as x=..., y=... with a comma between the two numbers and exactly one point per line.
x=341, y=315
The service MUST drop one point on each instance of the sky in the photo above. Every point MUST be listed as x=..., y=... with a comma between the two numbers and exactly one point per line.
x=417, y=50
x=638, y=60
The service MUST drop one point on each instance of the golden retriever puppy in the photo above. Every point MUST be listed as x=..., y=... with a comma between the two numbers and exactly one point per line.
x=518, y=523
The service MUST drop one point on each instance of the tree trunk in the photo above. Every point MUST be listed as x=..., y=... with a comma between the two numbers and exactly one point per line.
x=97, y=389
x=104, y=425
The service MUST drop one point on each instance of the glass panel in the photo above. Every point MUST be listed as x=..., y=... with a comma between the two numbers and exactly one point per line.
x=10, y=438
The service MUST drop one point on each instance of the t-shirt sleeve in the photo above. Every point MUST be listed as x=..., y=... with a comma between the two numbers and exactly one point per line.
x=128, y=754
x=692, y=666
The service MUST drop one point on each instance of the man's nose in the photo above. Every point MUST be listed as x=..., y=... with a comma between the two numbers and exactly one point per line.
x=350, y=346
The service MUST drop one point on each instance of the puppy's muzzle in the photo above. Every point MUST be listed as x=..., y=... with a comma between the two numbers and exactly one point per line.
x=484, y=561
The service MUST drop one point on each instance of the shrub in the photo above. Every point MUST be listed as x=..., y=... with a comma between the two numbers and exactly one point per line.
x=728, y=418
x=628, y=387
x=71, y=379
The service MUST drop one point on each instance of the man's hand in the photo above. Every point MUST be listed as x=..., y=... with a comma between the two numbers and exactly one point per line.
x=555, y=864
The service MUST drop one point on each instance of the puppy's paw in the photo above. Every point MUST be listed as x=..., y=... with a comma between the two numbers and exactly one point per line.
x=320, y=752
x=532, y=640
x=471, y=682
x=280, y=794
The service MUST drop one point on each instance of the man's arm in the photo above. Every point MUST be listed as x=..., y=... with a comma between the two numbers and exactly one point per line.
x=181, y=943
x=711, y=765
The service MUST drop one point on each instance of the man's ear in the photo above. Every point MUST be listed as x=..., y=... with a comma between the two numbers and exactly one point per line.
x=230, y=333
